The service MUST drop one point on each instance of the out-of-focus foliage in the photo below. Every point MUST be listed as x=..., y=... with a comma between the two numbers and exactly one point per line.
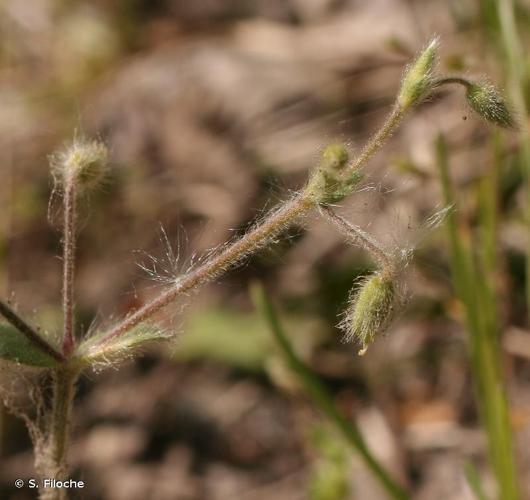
x=331, y=475
x=241, y=340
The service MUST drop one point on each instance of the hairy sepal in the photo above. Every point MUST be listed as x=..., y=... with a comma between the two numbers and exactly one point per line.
x=93, y=353
x=418, y=78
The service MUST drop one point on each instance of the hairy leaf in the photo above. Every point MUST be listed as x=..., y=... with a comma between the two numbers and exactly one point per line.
x=18, y=349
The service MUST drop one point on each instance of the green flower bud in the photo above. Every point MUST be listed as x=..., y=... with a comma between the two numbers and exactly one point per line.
x=84, y=162
x=487, y=101
x=418, y=78
x=372, y=310
x=334, y=157
x=331, y=181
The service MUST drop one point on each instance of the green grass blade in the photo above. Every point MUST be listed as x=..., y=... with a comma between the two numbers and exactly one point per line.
x=473, y=480
x=516, y=64
x=474, y=288
x=321, y=395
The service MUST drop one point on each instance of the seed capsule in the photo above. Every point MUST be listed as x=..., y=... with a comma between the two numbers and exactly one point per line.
x=331, y=181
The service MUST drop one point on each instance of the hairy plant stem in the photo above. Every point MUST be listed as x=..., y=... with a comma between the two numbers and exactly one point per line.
x=28, y=332
x=64, y=377
x=59, y=430
x=444, y=80
x=256, y=238
x=224, y=260
x=375, y=143
x=69, y=236
x=359, y=237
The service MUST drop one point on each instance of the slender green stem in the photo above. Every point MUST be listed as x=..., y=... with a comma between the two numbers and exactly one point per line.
x=444, y=80
x=375, y=143
x=31, y=334
x=70, y=216
x=473, y=480
x=66, y=376
x=322, y=397
x=60, y=428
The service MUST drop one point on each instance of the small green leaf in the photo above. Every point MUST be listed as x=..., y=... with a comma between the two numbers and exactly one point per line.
x=18, y=349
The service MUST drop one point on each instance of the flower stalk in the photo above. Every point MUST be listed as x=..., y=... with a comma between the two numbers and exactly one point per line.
x=357, y=236
x=69, y=245
x=373, y=303
x=227, y=258
x=484, y=98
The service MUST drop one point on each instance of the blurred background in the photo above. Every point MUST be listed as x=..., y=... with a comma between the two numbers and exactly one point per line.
x=214, y=111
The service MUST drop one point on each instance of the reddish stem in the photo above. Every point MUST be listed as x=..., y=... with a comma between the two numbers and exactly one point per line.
x=69, y=266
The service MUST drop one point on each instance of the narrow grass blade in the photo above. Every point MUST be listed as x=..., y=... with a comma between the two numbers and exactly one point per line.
x=516, y=64
x=473, y=284
x=321, y=395
x=473, y=480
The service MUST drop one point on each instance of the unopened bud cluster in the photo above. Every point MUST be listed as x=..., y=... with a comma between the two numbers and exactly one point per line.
x=332, y=181
x=84, y=162
x=484, y=98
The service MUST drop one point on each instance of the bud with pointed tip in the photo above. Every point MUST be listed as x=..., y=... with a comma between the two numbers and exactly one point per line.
x=487, y=101
x=332, y=181
x=418, y=78
x=372, y=309
x=83, y=162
